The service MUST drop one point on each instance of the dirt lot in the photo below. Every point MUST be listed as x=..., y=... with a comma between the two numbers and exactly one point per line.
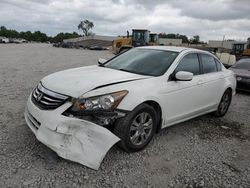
x=204, y=152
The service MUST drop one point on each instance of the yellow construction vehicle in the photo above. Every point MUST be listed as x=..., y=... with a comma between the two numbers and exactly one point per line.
x=239, y=49
x=153, y=39
x=140, y=37
x=121, y=44
x=246, y=52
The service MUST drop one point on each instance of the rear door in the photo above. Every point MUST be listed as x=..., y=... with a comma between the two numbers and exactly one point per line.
x=213, y=80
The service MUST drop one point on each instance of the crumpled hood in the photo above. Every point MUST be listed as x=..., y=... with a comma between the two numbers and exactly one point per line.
x=77, y=81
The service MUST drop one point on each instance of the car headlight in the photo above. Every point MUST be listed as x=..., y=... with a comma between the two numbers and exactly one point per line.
x=102, y=102
x=238, y=78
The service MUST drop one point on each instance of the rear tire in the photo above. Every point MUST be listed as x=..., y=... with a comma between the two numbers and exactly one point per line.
x=224, y=104
x=136, y=129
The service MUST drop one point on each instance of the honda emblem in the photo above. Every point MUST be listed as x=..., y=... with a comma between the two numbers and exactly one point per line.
x=39, y=97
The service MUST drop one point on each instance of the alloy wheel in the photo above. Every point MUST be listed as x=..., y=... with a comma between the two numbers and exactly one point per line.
x=225, y=102
x=141, y=128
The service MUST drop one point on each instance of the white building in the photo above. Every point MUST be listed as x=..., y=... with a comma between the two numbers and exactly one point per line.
x=223, y=44
x=170, y=42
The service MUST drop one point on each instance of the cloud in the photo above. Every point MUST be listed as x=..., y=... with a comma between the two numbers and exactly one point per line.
x=213, y=9
x=209, y=18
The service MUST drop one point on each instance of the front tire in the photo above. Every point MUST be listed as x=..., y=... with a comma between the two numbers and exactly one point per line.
x=137, y=128
x=224, y=104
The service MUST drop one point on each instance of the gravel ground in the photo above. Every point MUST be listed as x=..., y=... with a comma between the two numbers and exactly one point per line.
x=203, y=152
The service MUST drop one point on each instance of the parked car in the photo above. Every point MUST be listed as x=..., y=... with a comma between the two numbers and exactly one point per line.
x=242, y=71
x=80, y=113
x=4, y=40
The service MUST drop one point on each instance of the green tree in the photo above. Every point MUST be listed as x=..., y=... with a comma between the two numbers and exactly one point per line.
x=26, y=35
x=37, y=36
x=184, y=38
x=86, y=26
x=195, y=39
x=61, y=36
x=3, y=31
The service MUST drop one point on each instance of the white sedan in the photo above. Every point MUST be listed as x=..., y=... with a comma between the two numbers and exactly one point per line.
x=81, y=113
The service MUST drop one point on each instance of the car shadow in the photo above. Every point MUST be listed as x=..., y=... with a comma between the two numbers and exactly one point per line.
x=243, y=92
x=206, y=127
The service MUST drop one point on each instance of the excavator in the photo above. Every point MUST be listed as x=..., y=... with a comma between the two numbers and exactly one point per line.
x=239, y=49
x=140, y=37
x=246, y=52
x=153, y=39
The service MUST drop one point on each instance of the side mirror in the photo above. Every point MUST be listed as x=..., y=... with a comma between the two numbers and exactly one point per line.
x=101, y=61
x=184, y=76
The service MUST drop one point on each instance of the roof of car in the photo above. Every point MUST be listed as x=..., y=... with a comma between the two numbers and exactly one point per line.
x=169, y=48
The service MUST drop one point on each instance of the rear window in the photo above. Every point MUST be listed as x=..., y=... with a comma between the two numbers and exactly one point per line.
x=208, y=64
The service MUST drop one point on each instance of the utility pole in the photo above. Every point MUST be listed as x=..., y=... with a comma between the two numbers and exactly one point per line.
x=222, y=41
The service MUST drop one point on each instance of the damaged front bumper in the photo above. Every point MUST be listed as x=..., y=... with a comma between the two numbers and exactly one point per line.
x=75, y=139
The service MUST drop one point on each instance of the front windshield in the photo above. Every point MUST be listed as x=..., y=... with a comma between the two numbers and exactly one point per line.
x=143, y=61
x=242, y=65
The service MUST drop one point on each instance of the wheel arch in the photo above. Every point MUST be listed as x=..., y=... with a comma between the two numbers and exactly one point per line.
x=230, y=89
x=131, y=103
x=158, y=111
x=218, y=111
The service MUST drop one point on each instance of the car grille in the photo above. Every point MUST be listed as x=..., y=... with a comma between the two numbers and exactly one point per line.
x=246, y=79
x=47, y=99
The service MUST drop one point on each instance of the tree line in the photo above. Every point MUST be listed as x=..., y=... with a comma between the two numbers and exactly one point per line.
x=36, y=36
x=194, y=40
x=85, y=26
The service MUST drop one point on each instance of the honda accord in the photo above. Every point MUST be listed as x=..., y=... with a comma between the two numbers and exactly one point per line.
x=81, y=113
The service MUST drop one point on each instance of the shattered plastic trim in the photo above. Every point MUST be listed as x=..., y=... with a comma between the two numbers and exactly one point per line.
x=71, y=138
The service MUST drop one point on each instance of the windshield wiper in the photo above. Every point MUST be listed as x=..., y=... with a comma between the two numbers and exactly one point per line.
x=101, y=65
x=134, y=72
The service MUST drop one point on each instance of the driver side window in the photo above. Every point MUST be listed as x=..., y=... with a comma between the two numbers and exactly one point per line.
x=189, y=63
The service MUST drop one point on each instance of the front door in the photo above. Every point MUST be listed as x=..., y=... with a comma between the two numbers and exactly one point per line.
x=183, y=99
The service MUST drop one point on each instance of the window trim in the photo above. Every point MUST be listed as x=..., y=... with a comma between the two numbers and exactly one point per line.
x=217, y=64
x=200, y=54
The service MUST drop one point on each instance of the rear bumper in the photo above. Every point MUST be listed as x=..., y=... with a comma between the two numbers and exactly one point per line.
x=71, y=138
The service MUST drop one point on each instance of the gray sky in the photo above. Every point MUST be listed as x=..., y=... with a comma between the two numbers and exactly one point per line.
x=211, y=19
